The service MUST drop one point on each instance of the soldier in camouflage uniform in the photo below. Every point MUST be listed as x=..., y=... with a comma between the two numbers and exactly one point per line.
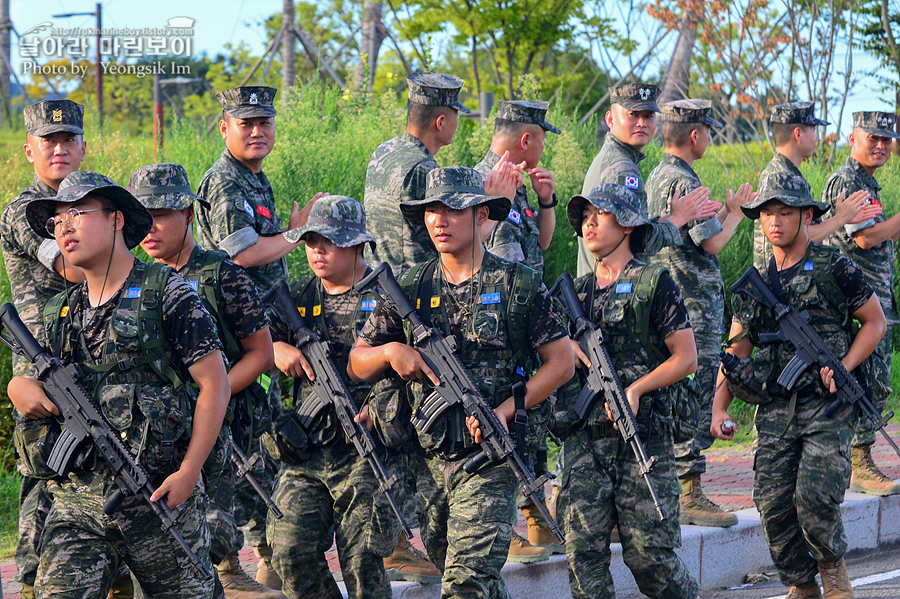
x=802, y=460
x=794, y=131
x=243, y=222
x=243, y=328
x=325, y=489
x=54, y=143
x=695, y=269
x=601, y=480
x=870, y=245
x=467, y=518
x=632, y=122
x=95, y=224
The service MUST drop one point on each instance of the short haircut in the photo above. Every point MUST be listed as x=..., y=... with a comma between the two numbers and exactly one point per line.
x=507, y=128
x=421, y=116
x=782, y=131
x=676, y=135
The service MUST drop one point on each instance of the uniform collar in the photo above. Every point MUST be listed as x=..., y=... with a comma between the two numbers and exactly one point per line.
x=409, y=137
x=44, y=190
x=257, y=180
x=680, y=163
x=630, y=151
x=781, y=158
x=857, y=168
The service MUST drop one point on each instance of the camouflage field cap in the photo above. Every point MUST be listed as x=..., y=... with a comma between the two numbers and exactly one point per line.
x=457, y=187
x=436, y=89
x=791, y=190
x=689, y=111
x=53, y=116
x=163, y=186
x=796, y=113
x=880, y=124
x=339, y=219
x=618, y=200
x=530, y=112
x=77, y=185
x=250, y=101
x=635, y=96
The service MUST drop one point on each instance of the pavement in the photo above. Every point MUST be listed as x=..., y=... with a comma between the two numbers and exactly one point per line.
x=717, y=557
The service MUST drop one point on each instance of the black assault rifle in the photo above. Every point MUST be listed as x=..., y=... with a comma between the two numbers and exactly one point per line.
x=456, y=388
x=243, y=466
x=602, y=379
x=80, y=420
x=795, y=330
x=329, y=390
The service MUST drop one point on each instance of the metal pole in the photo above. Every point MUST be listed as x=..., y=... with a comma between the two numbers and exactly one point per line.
x=157, y=118
x=99, y=71
x=485, y=105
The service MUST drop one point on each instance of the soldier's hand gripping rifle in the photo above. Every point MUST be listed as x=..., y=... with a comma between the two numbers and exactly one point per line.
x=809, y=349
x=456, y=388
x=243, y=466
x=602, y=380
x=329, y=390
x=80, y=420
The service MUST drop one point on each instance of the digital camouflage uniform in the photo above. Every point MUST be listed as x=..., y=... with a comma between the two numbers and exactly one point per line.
x=88, y=547
x=242, y=209
x=696, y=272
x=617, y=162
x=602, y=486
x=467, y=519
x=876, y=263
x=797, y=113
x=396, y=173
x=327, y=491
x=33, y=280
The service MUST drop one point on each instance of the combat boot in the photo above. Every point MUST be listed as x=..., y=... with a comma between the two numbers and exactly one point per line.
x=835, y=580
x=551, y=503
x=865, y=477
x=807, y=590
x=238, y=584
x=265, y=573
x=410, y=564
x=539, y=533
x=523, y=552
x=122, y=587
x=27, y=591
x=697, y=509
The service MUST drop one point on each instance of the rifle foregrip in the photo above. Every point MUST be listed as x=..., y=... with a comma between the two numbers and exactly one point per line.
x=11, y=321
x=832, y=409
x=474, y=463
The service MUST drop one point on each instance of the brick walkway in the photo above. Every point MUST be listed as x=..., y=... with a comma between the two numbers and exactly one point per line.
x=728, y=481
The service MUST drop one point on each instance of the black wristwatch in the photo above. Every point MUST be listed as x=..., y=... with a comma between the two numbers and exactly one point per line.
x=552, y=204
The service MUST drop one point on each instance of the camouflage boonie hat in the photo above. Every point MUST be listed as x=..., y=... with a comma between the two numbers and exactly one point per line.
x=689, y=111
x=163, y=187
x=457, y=187
x=250, y=101
x=436, y=89
x=53, y=116
x=529, y=112
x=797, y=113
x=619, y=201
x=79, y=184
x=880, y=124
x=790, y=190
x=635, y=96
x=339, y=219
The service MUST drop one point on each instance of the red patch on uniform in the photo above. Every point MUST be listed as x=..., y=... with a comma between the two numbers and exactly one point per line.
x=529, y=213
x=264, y=211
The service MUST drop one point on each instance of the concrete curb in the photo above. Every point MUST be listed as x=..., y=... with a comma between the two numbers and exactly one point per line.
x=717, y=557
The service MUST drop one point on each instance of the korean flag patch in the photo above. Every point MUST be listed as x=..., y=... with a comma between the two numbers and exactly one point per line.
x=515, y=217
x=248, y=209
x=631, y=182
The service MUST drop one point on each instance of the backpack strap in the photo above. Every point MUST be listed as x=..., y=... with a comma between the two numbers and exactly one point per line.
x=208, y=288
x=640, y=304
x=525, y=286
x=823, y=275
x=153, y=287
x=417, y=283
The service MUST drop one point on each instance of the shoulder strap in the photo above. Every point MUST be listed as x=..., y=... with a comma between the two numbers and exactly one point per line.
x=417, y=283
x=640, y=303
x=153, y=287
x=209, y=289
x=823, y=275
x=525, y=286
x=56, y=312
x=304, y=294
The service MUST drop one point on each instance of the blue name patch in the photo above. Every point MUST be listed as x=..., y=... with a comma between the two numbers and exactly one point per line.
x=133, y=292
x=515, y=217
x=194, y=284
x=367, y=305
x=623, y=287
x=808, y=266
x=520, y=371
x=490, y=298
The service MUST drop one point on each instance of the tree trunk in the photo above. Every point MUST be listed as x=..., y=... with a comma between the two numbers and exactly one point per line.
x=287, y=46
x=372, y=37
x=678, y=76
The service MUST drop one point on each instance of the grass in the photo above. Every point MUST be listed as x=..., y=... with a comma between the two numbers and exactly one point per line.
x=9, y=512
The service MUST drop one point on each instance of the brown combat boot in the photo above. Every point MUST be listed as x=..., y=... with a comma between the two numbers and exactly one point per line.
x=523, y=552
x=807, y=590
x=835, y=580
x=865, y=477
x=265, y=573
x=239, y=585
x=551, y=503
x=27, y=591
x=697, y=509
x=410, y=564
x=539, y=533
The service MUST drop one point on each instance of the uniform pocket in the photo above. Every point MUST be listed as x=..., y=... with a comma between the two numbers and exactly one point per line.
x=34, y=440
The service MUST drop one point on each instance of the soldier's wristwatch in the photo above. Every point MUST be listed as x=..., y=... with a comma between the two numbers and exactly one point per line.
x=553, y=202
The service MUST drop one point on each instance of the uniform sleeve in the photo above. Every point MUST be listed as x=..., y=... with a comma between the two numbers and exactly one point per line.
x=231, y=218
x=668, y=313
x=836, y=186
x=244, y=311
x=16, y=225
x=545, y=322
x=851, y=281
x=186, y=323
x=383, y=326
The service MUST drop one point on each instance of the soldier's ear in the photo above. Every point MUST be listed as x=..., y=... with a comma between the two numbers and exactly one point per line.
x=439, y=121
x=223, y=127
x=609, y=118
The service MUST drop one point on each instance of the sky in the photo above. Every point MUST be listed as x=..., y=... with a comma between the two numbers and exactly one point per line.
x=219, y=22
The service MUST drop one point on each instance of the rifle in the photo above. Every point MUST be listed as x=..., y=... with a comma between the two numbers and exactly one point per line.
x=242, y=468
x=456, y=388
x=795, y=330
x=329, y=389
x=603, y=379
x=80, y=420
